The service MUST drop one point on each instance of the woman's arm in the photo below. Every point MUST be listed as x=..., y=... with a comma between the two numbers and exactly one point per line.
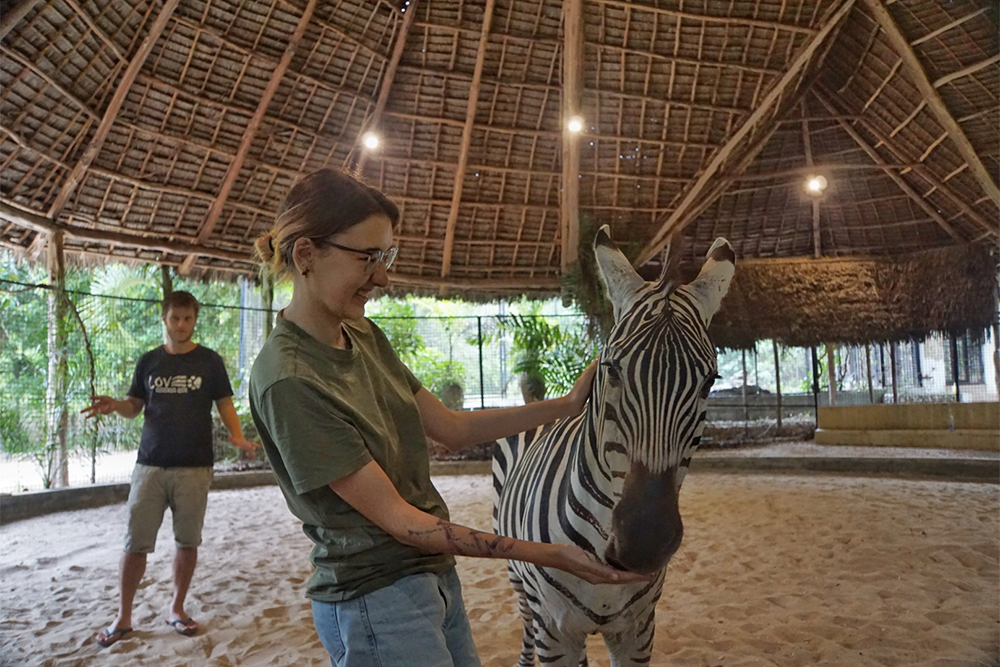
x=456, y=430
x=372, y=493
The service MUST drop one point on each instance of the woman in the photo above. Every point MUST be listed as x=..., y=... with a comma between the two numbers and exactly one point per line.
x=343, y=422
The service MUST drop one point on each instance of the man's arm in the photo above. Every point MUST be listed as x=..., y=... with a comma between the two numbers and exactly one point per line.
x=371, y=492
x=458, y=429
x=227, y=411
x=105, y=405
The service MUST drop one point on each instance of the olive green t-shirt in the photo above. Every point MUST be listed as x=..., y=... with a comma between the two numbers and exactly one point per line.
x=323, y=413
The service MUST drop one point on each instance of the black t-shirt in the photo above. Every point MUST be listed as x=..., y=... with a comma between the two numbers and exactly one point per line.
x=178, y=390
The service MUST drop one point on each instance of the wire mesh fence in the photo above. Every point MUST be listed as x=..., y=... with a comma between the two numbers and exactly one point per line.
x=469, y=362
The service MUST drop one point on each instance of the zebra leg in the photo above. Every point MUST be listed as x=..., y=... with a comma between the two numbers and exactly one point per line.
x=527, y=657
x=633, y=648
x=556, y=649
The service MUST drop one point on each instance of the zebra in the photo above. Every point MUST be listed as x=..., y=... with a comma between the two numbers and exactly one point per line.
x=608, y=479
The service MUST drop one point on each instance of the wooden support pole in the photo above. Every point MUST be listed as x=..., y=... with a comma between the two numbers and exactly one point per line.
x=777, y=381
x=868, y=364
x=694, y=193
x=108, y=119
x=955, y=374
x=166, y=281
x=267, y=297
x=831, y=365
x=56, y=408
x=249, y=133
x=358, y=155
x=463, y=152
x=569, y=211
x=996, y=357
x=892, y=363
x=937, y=106
x=815, y=382
x=743, y=389
x=807, y=147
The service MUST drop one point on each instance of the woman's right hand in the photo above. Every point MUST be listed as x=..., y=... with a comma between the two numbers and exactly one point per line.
x=571, y=558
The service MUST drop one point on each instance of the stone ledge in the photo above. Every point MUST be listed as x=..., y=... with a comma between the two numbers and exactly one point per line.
x=27, y=505
x=20, y=506
x=956, y=470
x=987, y=440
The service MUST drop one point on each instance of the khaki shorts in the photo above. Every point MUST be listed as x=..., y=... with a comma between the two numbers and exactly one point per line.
x=183, y=490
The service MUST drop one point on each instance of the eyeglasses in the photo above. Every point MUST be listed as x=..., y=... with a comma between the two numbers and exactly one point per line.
x=375, y=257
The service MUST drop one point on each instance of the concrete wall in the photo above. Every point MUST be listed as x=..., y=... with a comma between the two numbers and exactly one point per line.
x=937, y=425
x=26, y=505
x=764, y=406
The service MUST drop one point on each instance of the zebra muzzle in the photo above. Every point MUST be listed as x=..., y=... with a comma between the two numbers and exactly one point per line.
x=646, y=523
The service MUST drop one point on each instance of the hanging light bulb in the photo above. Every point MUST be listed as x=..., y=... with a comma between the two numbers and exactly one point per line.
x=575, y=124
x=815, y=185
x=371, y=140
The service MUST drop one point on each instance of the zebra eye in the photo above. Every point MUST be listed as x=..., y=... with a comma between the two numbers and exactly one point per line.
x=614, y=373
x=707, y=388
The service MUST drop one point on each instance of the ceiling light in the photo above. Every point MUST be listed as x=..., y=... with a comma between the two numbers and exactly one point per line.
x=371, y=140
x=815, y=185
x=575, y=124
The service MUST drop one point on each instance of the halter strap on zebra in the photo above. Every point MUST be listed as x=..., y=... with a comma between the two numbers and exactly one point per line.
x=608, y=479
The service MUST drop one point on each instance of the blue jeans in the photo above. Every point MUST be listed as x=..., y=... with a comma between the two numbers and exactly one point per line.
x=417, y=621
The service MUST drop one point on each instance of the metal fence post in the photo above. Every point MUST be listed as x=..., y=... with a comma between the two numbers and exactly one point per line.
x=482, y=381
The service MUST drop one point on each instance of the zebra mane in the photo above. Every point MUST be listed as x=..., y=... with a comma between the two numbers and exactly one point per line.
x=670, y=274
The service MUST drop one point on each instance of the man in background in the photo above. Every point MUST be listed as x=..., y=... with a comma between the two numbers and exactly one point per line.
x=175, y=385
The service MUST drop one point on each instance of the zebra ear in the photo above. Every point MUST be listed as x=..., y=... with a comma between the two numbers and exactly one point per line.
x=621, y=280
x=713, y=281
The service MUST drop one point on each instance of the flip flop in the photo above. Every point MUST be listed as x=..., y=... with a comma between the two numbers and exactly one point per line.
x=186, y=627
x=109, y=636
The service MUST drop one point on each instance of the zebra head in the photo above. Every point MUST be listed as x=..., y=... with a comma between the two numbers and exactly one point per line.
x=650, y=396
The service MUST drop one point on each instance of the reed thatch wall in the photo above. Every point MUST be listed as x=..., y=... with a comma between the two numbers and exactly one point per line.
x=854, y=301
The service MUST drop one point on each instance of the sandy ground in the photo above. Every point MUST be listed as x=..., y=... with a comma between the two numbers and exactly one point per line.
x=774, y=570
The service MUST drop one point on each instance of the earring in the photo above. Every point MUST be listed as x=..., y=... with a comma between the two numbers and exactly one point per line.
x=305, y=272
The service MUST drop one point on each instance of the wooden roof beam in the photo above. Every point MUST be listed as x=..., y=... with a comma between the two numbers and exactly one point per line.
x=44, y=225
x=924, y=172
x=463, y=154
x=215, y=211
x=705, y=18
x=572, y=57
x=954, y=24
x=385, y=85
x=11, y=16
x=932, y=98
x=678, y=218
x=904, y=186
x=85, y=17
x=104, y=127
x=807, y=146
x=505, y=284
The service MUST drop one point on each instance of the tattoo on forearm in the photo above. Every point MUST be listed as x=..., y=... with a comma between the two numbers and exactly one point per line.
x=470, y=542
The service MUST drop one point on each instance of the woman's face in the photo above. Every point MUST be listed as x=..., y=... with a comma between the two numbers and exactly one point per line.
x=339, y=280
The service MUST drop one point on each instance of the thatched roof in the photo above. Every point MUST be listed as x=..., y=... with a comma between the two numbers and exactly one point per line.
x=854, y=301
x=168, y=131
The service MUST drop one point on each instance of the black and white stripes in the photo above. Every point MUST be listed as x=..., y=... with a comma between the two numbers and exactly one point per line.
x=608, y=480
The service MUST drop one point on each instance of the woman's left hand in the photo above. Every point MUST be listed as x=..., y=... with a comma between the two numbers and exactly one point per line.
x=577, y=396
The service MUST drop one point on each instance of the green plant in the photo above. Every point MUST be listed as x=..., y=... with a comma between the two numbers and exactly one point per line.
x=546, y=353
x=437, y=372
